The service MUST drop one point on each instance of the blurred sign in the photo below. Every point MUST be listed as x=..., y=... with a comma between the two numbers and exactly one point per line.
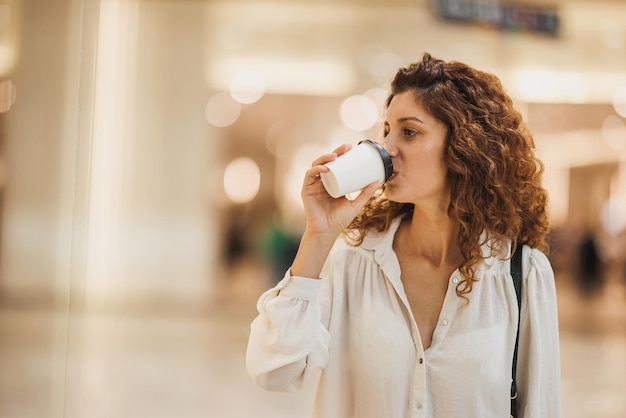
x=502, y=15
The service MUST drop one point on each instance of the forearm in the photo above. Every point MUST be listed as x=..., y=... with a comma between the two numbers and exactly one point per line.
x=312, y=254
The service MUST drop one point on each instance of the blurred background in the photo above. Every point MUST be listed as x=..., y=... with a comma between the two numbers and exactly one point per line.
x=151, y=156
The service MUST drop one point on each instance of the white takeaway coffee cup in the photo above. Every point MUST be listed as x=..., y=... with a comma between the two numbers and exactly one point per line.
x=363, y=165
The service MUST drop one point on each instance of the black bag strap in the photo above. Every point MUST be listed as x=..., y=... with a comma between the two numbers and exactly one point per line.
x=516, y=273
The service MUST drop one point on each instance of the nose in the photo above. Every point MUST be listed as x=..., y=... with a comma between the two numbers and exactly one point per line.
x=389, y=146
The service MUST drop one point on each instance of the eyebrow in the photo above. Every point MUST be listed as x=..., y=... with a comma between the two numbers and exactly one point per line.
x=410, y=118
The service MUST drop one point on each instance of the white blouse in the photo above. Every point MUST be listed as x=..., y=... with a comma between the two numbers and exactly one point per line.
x=356, y=325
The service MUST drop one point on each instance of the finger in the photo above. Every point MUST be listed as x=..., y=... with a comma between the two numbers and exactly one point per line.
x=342, y=149
x=323, y=159
x=316, y=170
x=331, y=156
x=313, y=174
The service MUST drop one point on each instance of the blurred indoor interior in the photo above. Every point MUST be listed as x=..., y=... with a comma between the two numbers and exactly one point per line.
x=151, y=154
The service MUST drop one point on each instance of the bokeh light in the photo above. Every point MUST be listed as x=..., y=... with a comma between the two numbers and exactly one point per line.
x=614, y=132
x=281, y=137
x=378, y=60
x=247, y=86
x=358, y=113
x=619, y=100
x=339, y=135
x=378, y=96
x=242, y=179
x=222, y=110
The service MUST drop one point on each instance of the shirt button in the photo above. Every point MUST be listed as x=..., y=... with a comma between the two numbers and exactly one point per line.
x=418, y=405
x=421, y=360
x=444, y=322
x=455, y=280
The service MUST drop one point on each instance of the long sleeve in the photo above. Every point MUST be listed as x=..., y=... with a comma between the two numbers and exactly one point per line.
x=538, y=366
x=287, y=338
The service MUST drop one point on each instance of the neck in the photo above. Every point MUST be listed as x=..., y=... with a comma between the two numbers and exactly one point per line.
x=433, y=236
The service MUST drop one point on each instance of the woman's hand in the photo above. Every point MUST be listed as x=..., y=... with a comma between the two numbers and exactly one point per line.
x=325, y=216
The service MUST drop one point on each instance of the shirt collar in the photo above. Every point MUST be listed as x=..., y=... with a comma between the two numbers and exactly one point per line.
x=381, y=243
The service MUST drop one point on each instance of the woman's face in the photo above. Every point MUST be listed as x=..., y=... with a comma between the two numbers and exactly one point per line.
x=416, y=141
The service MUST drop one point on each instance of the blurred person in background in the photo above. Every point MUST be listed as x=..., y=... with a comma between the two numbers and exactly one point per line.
x=403, y=296
x=589, y=267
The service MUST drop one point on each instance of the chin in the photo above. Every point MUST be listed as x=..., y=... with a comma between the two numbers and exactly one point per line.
x=391, y=193
x=394, y=194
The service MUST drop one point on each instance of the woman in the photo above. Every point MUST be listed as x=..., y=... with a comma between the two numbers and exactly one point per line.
x=403, y=297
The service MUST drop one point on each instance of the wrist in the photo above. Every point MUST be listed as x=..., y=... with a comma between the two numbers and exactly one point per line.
x=312, y=254
x=320, y=238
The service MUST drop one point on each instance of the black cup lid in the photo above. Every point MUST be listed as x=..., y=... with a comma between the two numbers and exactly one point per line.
x=388, y=164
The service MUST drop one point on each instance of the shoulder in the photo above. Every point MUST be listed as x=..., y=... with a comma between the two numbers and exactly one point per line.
x=496, y=259
x=536, y=266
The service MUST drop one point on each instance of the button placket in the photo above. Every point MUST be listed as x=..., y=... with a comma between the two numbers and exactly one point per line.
x=419, y=386
x=455, y=280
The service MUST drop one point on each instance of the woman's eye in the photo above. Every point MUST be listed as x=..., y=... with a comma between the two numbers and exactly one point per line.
x=407, y=132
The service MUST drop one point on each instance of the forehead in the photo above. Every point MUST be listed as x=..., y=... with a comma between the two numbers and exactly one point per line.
x=405, y=105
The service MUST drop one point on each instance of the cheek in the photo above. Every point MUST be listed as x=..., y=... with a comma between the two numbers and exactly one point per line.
x=430, y=162
x=429, y=174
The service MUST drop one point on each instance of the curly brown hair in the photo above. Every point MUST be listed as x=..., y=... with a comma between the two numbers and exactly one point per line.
x=492, y=171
